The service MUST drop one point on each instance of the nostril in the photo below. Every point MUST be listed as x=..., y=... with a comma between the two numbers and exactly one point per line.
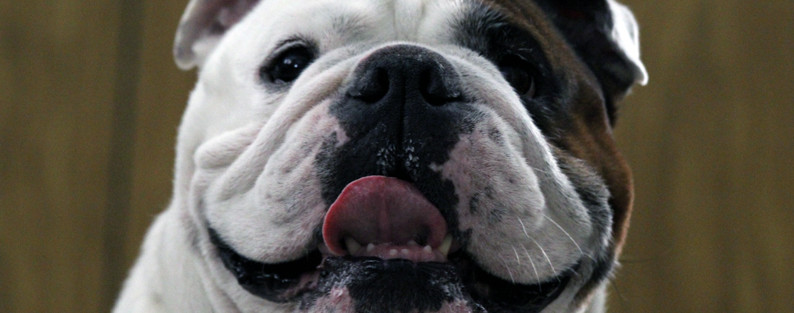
x=372, y=86
x=434, y=88
x=405, y=74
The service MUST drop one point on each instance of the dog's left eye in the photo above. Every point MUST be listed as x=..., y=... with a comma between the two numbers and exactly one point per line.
x=288, y=65
x=518, y=73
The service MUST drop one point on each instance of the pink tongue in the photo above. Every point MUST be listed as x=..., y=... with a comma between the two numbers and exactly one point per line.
x=383, y=211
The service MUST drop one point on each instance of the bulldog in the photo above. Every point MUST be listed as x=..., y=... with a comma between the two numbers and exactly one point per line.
x=395, y=156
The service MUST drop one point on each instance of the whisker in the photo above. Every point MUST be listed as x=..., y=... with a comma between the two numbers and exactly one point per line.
x=567, y=234
x=545, y=256
x=509, y=272
x=518, y=260
x=539, y=246
x=524, y=228
x=540, y=170
x=534, y=269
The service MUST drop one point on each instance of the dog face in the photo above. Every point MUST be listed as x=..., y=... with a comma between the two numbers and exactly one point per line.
x=405, y=156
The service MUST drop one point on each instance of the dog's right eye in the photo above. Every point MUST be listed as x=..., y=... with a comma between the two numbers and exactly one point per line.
x=287, y=66
x=518, y=73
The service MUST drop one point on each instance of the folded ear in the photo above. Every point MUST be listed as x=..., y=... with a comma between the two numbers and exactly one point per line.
x=626, y=34
x=605, y=35
x=203, y=24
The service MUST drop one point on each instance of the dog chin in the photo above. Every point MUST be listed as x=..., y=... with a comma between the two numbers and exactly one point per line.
x=322, y=282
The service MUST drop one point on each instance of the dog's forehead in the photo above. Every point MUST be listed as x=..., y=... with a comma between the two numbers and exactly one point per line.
x=335, y=23
x=395, y=19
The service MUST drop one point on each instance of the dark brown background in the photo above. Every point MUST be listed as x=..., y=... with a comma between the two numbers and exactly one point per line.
x=90, y=101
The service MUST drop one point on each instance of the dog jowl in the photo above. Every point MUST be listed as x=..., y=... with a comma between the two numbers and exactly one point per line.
x=395, y=156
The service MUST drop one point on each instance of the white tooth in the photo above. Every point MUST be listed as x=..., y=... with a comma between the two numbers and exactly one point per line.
x=405, y=251
x=412, y=243
x=427, y=249
x=352, y=245
x=445, y=245
x=370, y=247
x=393, y=252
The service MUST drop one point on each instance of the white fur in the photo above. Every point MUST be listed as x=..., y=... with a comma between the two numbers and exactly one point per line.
x=626, y=34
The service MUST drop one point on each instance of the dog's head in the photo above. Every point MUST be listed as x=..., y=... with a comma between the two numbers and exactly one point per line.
x=406, y=156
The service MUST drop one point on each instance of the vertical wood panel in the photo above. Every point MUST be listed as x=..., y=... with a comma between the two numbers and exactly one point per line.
x=161, y=99
x=710, y=141
x=120, y=168
x=56, y=111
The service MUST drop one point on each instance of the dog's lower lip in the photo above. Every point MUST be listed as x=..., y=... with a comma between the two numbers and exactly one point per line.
x=275, y=282
x=285, y=282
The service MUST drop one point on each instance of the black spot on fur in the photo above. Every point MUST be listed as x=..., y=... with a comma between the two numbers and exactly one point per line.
x=496, y=136
x=496, y=215
x=474, y=203
x=390, y=286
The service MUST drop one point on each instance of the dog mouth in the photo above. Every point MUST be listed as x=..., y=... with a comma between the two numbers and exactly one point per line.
x=386, y=248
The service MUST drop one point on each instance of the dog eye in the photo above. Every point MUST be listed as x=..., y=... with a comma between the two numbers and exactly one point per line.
x=288, y=65
x=519, y=74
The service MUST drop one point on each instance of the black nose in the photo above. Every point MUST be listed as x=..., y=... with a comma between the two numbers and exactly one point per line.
x=404, y=109
x=406, y=74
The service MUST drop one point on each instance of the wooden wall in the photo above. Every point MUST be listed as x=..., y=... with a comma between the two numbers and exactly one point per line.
x=90, y=101
x=711, y=142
